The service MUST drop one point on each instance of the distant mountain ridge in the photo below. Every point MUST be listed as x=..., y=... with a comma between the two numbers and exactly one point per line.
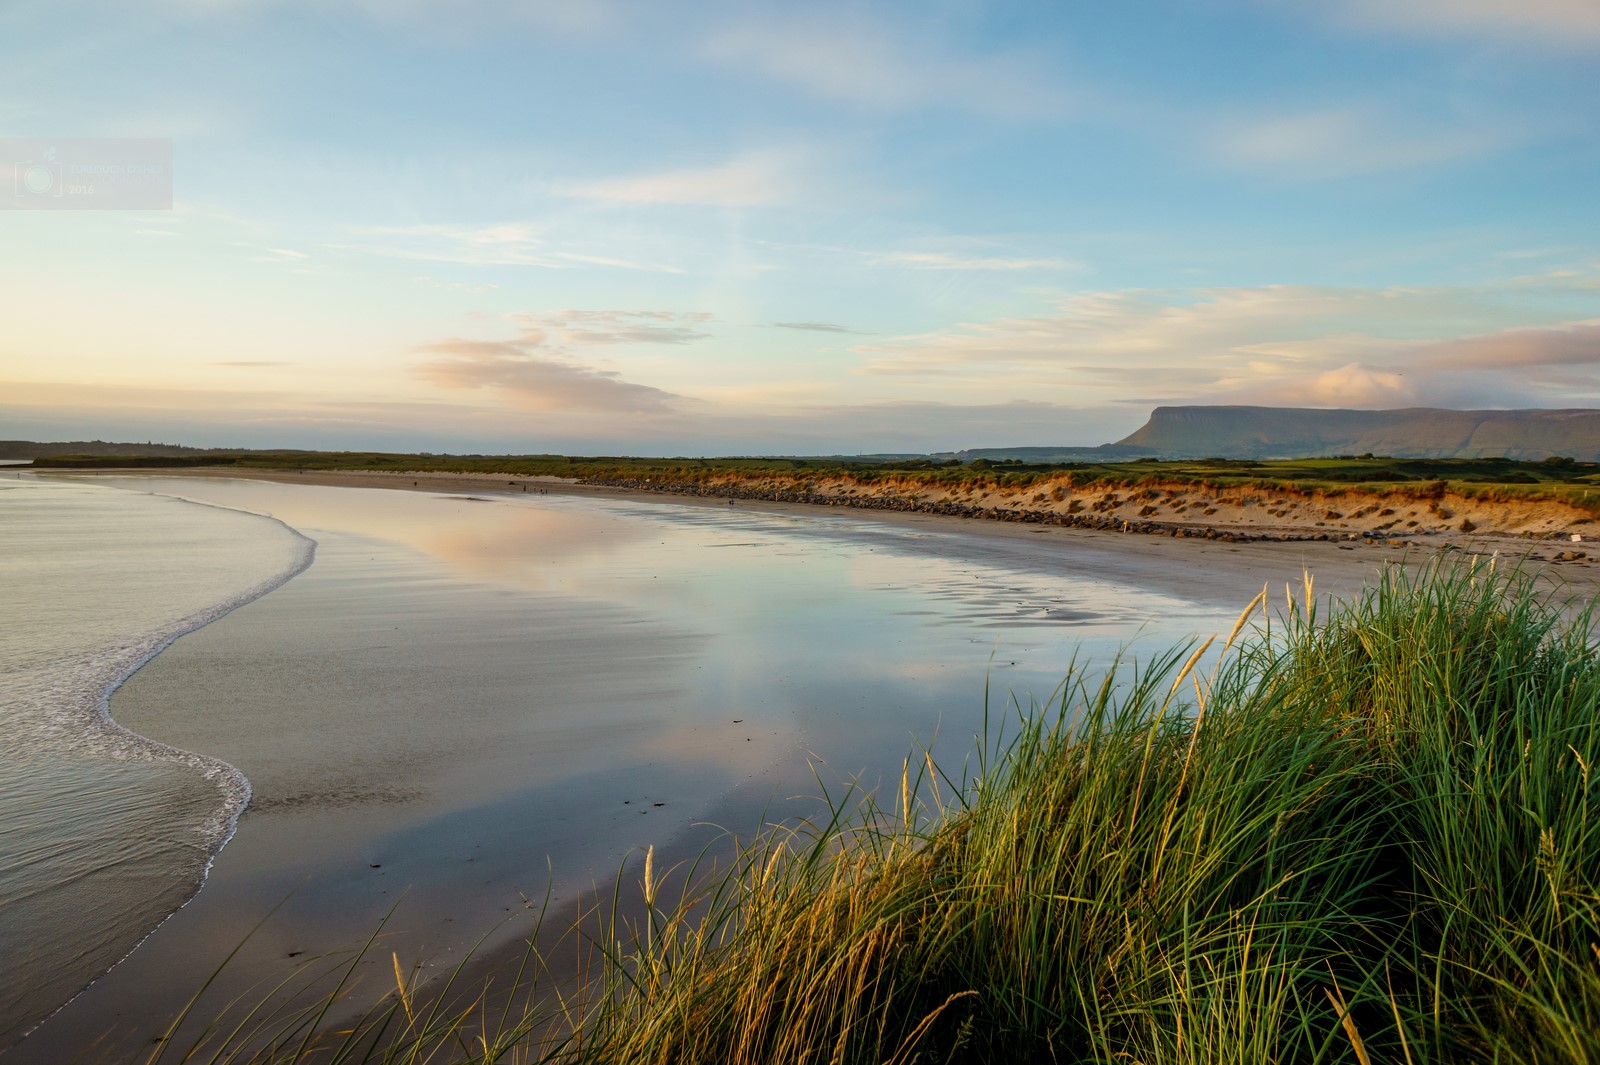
x=1415, y=432
x=1235, y=432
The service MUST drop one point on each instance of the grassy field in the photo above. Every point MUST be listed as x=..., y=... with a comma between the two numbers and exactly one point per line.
x=1366, y=832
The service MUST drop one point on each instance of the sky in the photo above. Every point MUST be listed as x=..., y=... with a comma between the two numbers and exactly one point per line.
x=659, y=228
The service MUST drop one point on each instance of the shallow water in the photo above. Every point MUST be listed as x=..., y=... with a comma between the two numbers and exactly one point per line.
x=808, y=619
x=468, y=700
x=102, y=833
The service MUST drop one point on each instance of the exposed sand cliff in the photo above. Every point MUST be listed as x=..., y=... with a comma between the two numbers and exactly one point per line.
x=1408, y=515
x=1178, y=509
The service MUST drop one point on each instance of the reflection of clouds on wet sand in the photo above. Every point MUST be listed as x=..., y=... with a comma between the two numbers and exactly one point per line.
x=825, y=631
x=496, y=538
x=463, y=698
x=523, y=544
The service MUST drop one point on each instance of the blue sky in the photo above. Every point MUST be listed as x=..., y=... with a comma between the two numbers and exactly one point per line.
x=667, y=228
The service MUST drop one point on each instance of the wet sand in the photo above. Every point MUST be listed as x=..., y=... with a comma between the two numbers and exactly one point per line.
x=389, y=719
x=451, y=728
x=1207, y=569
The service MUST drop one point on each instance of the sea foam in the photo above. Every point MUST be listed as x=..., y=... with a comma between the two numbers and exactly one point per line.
x=97, y=582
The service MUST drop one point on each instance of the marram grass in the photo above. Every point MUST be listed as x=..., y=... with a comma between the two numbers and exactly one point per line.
x=1367, y=832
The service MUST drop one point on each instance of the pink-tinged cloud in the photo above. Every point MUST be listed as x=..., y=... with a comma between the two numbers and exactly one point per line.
x=1277, y=344
x=538, y=382
x=537, y=371
x=1558, y=24
x=1573, y=344
x=1352, y=386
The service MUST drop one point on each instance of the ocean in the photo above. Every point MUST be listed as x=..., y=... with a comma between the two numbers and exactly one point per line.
x=102, y=832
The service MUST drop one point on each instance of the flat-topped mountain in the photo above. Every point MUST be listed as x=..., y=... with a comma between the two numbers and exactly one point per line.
x=1415, y=432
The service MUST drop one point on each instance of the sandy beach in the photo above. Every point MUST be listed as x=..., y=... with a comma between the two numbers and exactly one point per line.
x=1354, y=547
x=483, y=692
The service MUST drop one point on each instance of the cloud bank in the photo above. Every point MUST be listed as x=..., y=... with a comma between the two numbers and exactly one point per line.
x=853, y=58
x=536, y=372
x=1296, y=345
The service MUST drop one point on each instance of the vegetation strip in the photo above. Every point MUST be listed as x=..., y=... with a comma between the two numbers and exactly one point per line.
x=957, y=510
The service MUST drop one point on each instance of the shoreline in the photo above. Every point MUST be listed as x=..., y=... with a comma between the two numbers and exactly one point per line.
x=458, y=689
x=59, y=718
x=1206, y=573
x=1393, y=513
x=1577, y=560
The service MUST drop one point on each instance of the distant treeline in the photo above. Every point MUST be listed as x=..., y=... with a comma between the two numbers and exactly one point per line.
x=119, y=462
x=33, y=449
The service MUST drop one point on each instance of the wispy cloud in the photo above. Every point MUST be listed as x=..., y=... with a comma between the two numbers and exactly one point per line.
x=536, y=381
x=755, y=179
x=813, y=327
x=436, y=17
x=870, y=63
x=1571, y=344
x=253, y=363
x=500, y=235
x=455, y=286
x=927, y=260
x=560, y=328
x=507, y=244
x=1111, y=328
x=301, y=261
x=1554, y=24
x=1346, y=141
x=620, y=264
x=537, y=369
x=1309, y=345
x=1514, y=254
